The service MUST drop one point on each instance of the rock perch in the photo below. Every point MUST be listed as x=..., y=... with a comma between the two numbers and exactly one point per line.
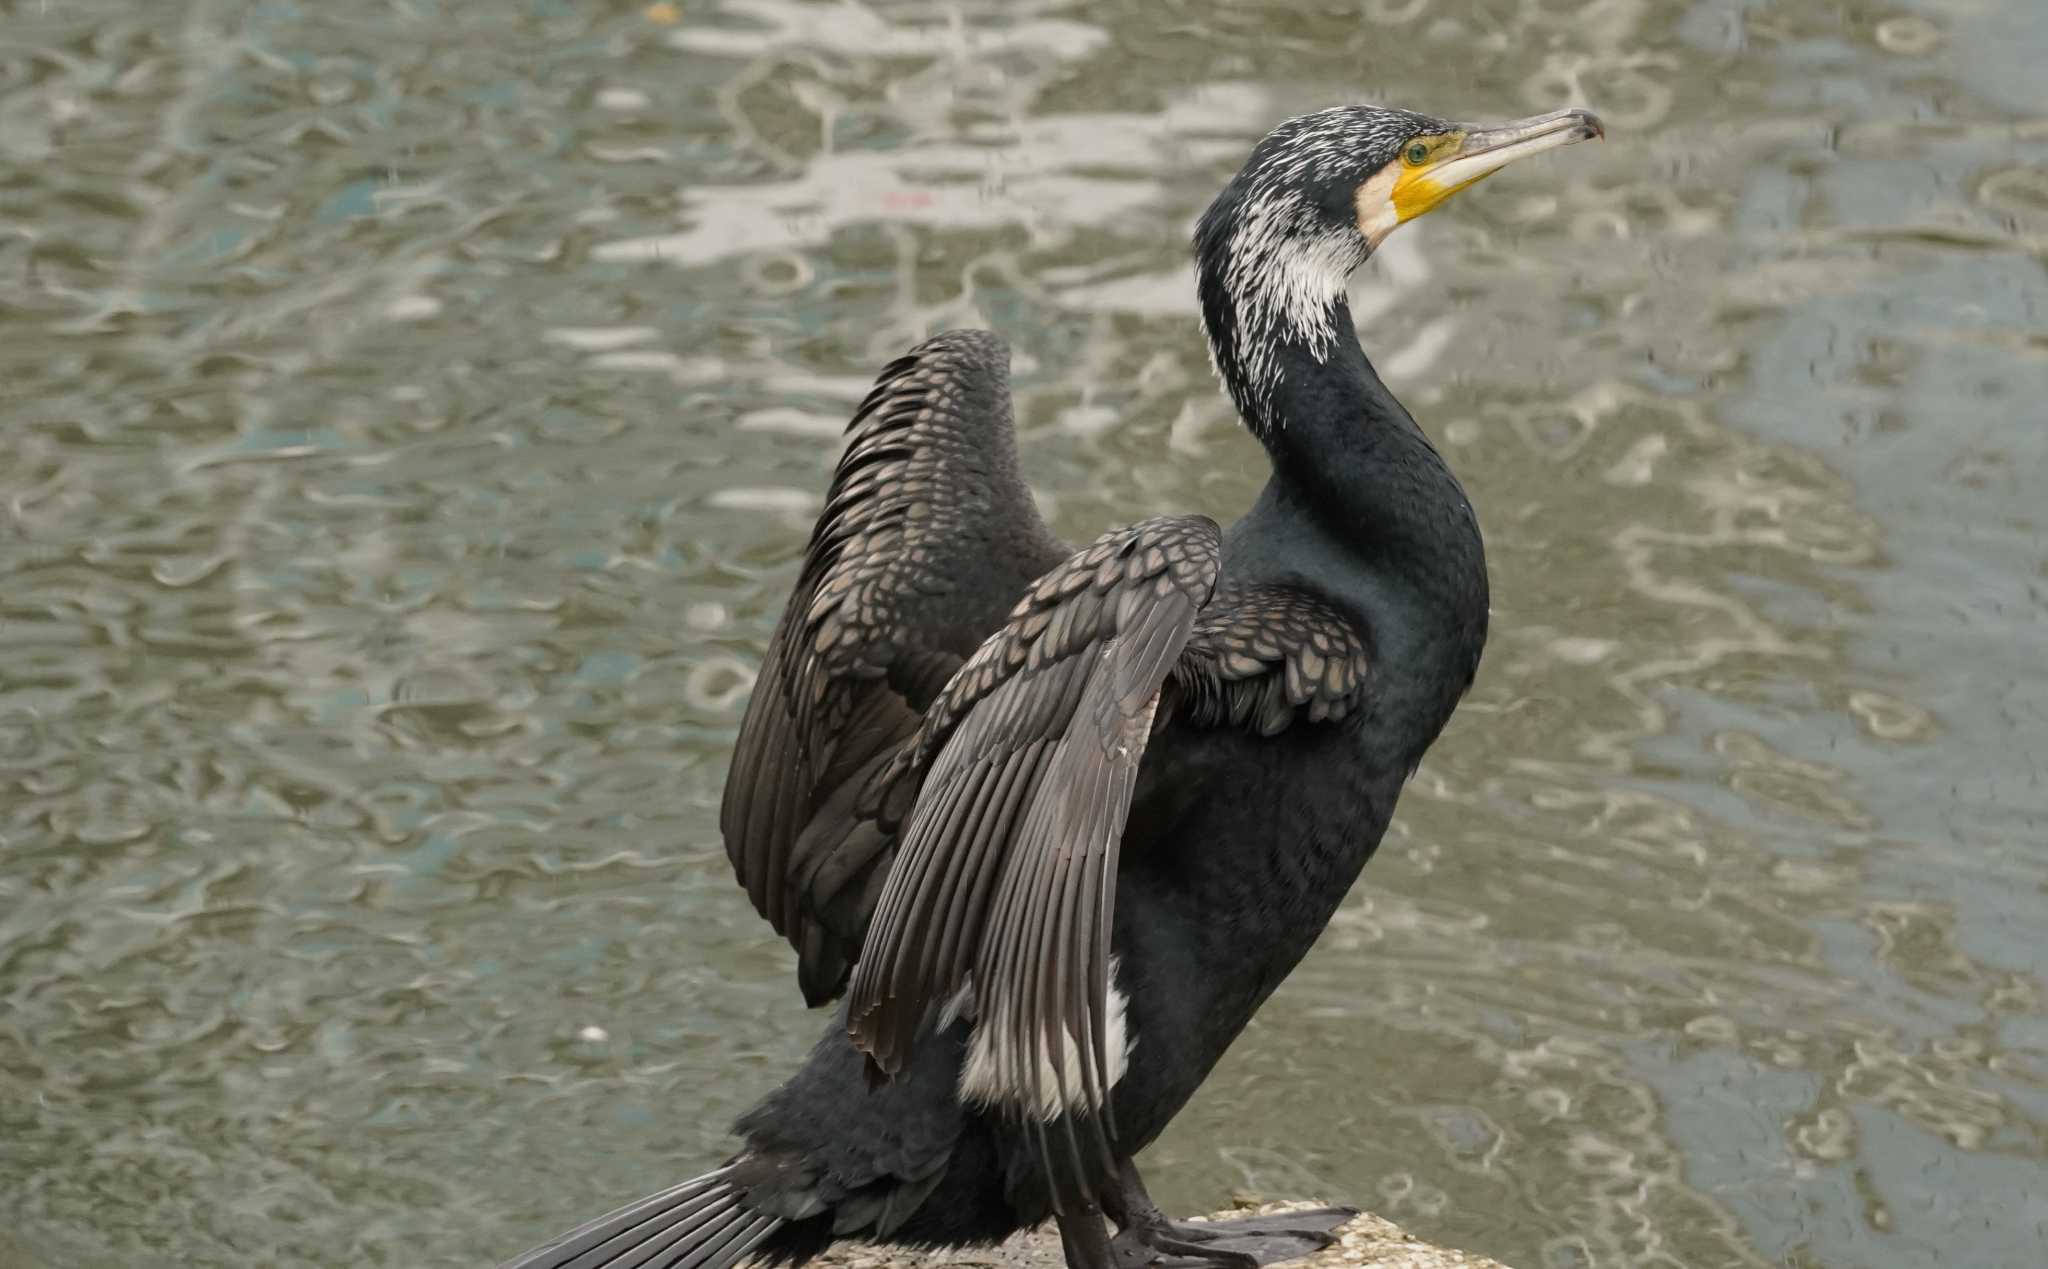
x=1364, y=1242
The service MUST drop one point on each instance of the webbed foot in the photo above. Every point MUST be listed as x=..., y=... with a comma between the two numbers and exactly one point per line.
x=1245, y=1242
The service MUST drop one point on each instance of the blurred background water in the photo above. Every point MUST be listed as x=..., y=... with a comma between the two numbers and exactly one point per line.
x=413, y=410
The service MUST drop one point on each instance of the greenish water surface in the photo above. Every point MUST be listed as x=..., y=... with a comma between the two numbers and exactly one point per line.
x=410, y=413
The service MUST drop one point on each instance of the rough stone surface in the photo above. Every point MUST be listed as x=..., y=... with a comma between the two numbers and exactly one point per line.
x=1363, y=1242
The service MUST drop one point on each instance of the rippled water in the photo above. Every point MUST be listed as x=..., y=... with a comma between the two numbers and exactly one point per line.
x=412, y=412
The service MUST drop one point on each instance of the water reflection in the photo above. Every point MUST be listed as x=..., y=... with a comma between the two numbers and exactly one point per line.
x=417, y=408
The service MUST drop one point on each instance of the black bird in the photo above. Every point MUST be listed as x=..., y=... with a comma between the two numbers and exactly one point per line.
x=1058, y=821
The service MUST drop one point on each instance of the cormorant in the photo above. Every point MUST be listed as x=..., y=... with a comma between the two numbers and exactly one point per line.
x=1055, y=821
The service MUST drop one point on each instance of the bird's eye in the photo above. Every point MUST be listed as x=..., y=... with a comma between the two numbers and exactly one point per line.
x=1417, y=154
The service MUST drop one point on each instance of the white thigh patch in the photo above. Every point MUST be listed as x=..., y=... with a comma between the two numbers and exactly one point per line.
x=987, y=1079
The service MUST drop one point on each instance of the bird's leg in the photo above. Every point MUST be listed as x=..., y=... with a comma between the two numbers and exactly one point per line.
x=1084, y=1240
x=1146, y=1237
x=1136, y=1214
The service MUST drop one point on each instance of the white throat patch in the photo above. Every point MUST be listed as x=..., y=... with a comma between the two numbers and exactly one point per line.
x=1285, y=279
x=1284, y=276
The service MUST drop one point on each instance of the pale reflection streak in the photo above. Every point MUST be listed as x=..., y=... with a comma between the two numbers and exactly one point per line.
x=1027, y=171
x=1026, y=176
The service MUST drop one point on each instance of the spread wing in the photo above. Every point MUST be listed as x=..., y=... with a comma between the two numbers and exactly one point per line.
x=1019, y=780
x=928, y=536
x=1017, y=787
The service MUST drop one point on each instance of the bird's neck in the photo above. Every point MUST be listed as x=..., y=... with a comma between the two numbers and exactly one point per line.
x=1360, y=492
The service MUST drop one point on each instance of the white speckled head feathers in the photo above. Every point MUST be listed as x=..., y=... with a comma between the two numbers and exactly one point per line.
x=1276, y=247
x=1315, y=198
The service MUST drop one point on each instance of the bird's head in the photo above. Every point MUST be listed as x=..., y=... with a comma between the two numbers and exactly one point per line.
x=1316, y=197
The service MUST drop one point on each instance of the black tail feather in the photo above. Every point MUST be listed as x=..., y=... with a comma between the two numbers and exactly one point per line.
x=699, y=1224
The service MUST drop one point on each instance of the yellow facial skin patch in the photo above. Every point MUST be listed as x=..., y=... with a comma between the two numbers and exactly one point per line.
x=1432, y=168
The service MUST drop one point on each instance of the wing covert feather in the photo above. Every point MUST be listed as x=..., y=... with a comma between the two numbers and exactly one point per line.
x=1268, y=656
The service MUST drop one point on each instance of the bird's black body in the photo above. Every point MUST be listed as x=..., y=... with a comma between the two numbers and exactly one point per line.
x=1058, y=821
